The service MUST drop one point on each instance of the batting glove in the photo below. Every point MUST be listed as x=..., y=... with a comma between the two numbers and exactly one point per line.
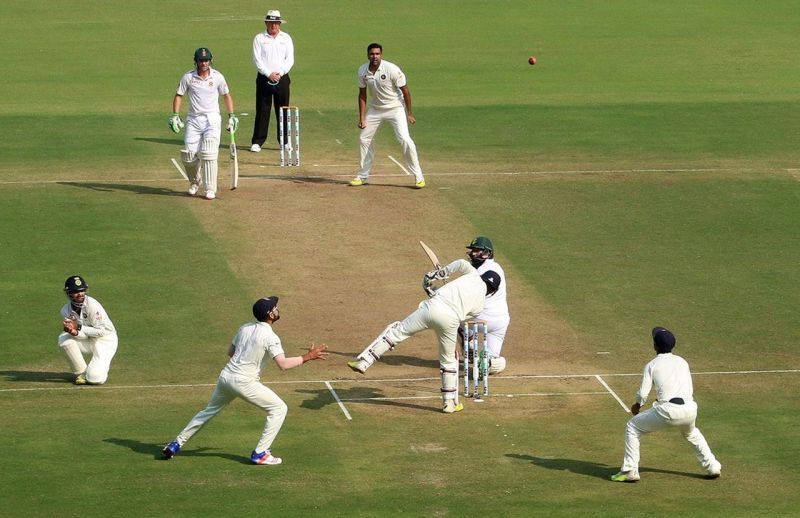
x=233, y=122
x=175, y=123
x=437, y=275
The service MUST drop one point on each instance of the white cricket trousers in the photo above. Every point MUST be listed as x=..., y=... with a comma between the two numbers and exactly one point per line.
x=436, y=315
x=230, y=387
x=666, y=415
x=202, y=127
x=102, y=349
x=396, y=117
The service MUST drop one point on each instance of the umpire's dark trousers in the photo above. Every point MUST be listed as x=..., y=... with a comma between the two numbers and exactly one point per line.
x=268, y=95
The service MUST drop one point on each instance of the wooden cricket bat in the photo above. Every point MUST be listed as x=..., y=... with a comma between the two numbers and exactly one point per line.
x=431, y=255
x=234, y=164
x=180, y=169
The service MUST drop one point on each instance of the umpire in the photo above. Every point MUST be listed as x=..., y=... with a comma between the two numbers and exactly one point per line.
x=273, y=56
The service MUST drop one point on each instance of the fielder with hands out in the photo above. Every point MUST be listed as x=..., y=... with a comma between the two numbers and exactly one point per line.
x=447, y=307
x=241, y=378
x=87, y=330
x=390, y=101
x=203, y=85
x=674, y=407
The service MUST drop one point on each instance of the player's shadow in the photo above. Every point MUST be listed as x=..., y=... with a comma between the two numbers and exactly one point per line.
x=138, y=189
x=169, y=141
x=154, y=450
x=580, y=467
x=396, y=360
x=51, y=377
x=591, y=469
x=324, y=180
x=358, y=395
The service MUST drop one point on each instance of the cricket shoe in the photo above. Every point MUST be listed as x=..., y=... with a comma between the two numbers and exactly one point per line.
x=358, y=366
x=357, y=182
x=171, y=449
x=450, y=407
x=210, y=195
x=255, y=148
x=80, y=379
x=420, y=184
x=626, y=476
x=714, y=471
x=193, y=189
x=265, y=458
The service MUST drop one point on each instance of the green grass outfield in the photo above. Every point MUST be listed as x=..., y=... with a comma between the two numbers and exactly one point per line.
x=644, y=172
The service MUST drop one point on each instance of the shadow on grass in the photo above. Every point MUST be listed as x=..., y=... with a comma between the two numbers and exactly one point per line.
x=52, y=377
x=138, y=189
x=590, y=469
x=154, y=450
x=395, y=360
x=361, y=395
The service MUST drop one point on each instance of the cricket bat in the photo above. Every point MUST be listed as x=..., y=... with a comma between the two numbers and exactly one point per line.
x=431, y=255
x=180, y=169
x=234, y=164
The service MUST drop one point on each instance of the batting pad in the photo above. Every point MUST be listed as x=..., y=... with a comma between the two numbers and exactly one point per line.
x=209, y=152
x=190, y=164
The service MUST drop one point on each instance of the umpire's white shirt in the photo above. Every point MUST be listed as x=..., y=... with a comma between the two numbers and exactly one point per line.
x=273, y=54
x=203, y=92
x=383, y=85
x=251, y=343
x=671, y=376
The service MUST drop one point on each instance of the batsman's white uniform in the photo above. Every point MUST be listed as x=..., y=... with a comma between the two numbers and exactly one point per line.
x=203, y=125
x=672, y=379
x=385, y=104
x=241, y=378
x=495, y=314
x=453, y=303
x=97, y=337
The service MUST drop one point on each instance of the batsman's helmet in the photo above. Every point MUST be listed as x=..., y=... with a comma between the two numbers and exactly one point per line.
x=202, y=54
x=481, y=243
x=75, y=284
x=492, y=280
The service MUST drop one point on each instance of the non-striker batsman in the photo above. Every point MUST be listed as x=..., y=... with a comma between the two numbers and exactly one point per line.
x=204, y=86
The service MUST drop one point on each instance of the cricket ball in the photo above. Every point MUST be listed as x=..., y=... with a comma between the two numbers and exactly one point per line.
x=532, y=60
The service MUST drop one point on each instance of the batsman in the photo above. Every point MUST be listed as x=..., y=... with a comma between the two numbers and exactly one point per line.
x=203, y=85
x=447, y=307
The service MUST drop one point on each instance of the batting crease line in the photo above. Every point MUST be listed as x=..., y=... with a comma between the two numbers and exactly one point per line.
x=339, y=401
x=602, y=382
x=510, y=395
x=388, y=380
x=391, y=175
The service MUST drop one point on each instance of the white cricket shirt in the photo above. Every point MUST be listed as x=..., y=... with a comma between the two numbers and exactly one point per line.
x=671, y=377
x=93, y=319
x=203, y=93
x=496, y=305
x=383, y=85
x=273, y=54
x=251, y=343
x=465, y=295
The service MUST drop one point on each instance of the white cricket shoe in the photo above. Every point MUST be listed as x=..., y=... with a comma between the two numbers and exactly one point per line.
x=193, y=189
x=255, y=148
x=210, y=195
x=715, y=470
x=358, y=366
x=450, y=407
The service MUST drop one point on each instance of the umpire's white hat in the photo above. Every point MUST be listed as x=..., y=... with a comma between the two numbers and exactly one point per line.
x=274, y=15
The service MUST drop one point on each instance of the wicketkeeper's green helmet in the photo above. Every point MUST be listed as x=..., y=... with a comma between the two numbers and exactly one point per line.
x=202, y=54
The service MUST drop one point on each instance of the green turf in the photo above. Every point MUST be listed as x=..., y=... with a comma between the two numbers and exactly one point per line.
x=619, y=85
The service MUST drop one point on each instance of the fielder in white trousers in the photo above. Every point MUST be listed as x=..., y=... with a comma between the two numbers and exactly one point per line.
x=674, y=408
x=396, y=118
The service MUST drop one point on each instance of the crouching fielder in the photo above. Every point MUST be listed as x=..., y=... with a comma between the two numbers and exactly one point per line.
x=203, y=85
x=87, y=330
x=241, y=378
x=674, y=408
x=453, y=303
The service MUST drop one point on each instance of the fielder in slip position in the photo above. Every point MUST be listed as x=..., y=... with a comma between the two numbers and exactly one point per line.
x=674, y=407
x=87, y=330
x=447, y=307
x=241, y=378
x=388, y=95
x=203, y=85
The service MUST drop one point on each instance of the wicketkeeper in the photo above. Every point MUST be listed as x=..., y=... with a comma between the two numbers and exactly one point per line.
x=203, y=85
